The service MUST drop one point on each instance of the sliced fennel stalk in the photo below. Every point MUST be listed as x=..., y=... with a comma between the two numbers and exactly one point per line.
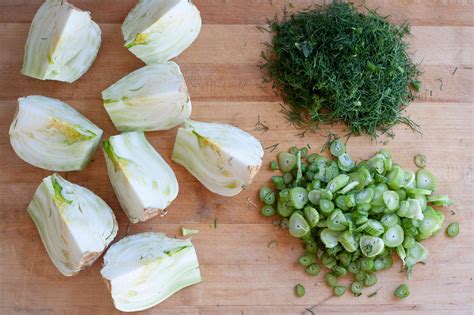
x=157, y=31
x=75, y=225
x=144, y=269
x=52, y=135
x=62, y=43
x=222, y=157
x=142, y=180
x=154, y=97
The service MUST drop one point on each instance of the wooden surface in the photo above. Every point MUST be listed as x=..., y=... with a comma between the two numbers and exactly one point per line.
x=241, y=274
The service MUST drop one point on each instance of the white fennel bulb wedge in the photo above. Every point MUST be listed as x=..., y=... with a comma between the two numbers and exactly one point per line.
x=75, y=225
x=159, y=30
x=154, y=97
x=142, y=180
x=52, y=135
x=62, y=44
x=225, y=159
x=143, y=270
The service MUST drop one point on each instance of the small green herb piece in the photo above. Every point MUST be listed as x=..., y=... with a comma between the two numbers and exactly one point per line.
x=370, y=280
x=278, y=182
x=284, y=224
x=272, y=147
x=271, y=244
x=313, y=270
x=331, y=279
x=286, y=161
x=259, y=126
x=339, y=290
x=267, y=211
x=274, y=165
x=373, y=293
x=356, y=288
x=299, y=290
x=402, y=291
x=186, y=231
x=416, y=85
x=305, y=260
x=425, y=180
x=453, y=229
x=360, y=275
x=337, y=148
x=420, y=160
x=298, y=226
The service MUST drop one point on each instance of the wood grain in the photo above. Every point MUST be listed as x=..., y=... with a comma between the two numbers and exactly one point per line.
x=418, y=12
x=241, y=274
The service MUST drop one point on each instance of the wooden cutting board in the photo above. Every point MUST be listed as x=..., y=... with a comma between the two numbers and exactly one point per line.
x=242, y=274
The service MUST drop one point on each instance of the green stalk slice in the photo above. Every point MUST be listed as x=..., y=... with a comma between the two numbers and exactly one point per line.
x=329, y=238
x=337, y=148
x=402, y=291
x=393, y=236
x=371, y=246
x=345, y=162
x=326, y=207
x=286, y=161
x=391, y=199
x=337, y=183
x=298, y=197
x=311, y=215
x=337, y=221
x=425, y=180
x=298, y=226
x=453, y=229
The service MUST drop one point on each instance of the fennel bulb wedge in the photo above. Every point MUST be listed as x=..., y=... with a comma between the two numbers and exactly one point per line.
x=75, y=224
x=142, y=180
x=224, y=158
x=154, y=97
x=52, y=135
x=142, y=270
x=62, y=44
x=159, y=30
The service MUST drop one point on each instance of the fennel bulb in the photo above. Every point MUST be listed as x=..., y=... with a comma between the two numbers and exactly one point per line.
x=75, y=224
x=154, y=97
x=144, y=269
x=52, y=135
x=142, y=180
x=224, y=158
x=158, y=30
x=62, y=43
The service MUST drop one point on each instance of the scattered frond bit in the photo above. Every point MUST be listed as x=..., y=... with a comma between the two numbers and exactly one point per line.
x=260, y=126
x=271, y=244
x=374, y=293
x=251, y=203
x=272, y=147
x=331, y=137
